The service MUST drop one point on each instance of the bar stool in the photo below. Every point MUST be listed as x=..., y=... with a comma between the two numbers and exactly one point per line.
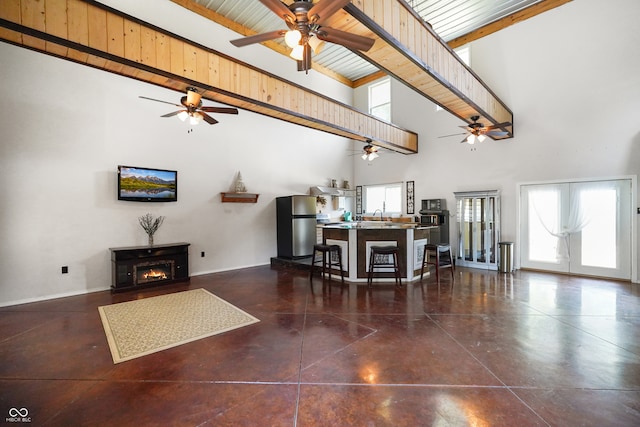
x=379, y=256
x=440, y=257
x=327, y=261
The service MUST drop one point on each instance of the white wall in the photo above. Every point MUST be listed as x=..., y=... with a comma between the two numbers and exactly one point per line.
x=571, y=78
x=569, y=75
x=66, y=127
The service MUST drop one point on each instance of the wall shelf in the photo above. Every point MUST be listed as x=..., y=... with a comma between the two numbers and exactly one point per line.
x=239, y=197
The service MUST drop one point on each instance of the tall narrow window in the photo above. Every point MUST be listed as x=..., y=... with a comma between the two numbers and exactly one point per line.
x=380, y=100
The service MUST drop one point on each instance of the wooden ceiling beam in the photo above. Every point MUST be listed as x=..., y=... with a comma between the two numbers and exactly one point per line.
x=514, y=18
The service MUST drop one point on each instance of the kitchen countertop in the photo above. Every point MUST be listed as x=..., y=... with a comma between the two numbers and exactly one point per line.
x=370, y=225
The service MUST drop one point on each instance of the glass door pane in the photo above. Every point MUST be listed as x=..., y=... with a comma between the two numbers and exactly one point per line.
x=492, y=240
x=602, y=245
x=479, y=229
x=542, y=246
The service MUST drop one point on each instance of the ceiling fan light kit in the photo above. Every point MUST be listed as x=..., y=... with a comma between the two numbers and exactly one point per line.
x=195, y=119
x=193, y=97
x=472, y=138
x=292, y=38
x=306, y=33
x=297, y=53
x=315, y=43
x=370, y=152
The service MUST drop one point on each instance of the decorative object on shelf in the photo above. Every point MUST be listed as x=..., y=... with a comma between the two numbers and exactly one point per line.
x=239, y=193
x=410, y=197
x=150, y=225
x=334, y=183
x=345, y=185
x=320, y=200
x=240, y=187
x=359, y=200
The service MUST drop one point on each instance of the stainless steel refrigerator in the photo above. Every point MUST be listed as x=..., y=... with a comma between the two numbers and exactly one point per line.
x=296, y=221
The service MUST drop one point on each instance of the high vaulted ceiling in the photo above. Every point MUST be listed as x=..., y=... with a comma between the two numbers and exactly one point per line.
x=405, y=47
x=456, y=21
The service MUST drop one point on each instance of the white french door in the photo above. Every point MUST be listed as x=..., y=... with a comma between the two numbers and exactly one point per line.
x=577, y=227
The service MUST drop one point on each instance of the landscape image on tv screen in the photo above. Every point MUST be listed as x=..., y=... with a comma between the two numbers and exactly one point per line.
x=145, y=184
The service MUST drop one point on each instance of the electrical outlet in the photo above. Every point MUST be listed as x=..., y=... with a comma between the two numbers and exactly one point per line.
x=65, y=269
x=202, y=254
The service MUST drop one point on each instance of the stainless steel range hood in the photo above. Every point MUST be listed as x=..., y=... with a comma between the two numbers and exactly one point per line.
x=325, y=191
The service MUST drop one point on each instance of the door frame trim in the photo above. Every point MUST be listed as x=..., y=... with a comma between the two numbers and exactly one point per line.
x=634, y=214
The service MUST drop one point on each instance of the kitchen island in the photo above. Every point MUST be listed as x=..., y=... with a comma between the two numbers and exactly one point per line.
x=356, y=239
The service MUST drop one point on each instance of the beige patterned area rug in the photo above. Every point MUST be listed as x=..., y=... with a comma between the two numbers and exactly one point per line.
x=141, y=327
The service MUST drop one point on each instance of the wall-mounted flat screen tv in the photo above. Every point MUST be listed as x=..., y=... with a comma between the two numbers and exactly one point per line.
x=139, y=184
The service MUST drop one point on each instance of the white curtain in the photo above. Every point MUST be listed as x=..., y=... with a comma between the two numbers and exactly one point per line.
x=559, y=222
x=540, y=199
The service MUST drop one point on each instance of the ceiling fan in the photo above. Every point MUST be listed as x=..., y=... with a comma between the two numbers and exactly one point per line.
x=370, y=152
x=194, y=111
x=304, y=19
x=478, y=131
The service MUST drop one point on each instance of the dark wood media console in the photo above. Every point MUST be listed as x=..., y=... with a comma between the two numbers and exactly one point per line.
x=144, y=266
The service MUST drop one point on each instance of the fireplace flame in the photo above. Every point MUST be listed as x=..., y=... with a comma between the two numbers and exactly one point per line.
x=154, y=275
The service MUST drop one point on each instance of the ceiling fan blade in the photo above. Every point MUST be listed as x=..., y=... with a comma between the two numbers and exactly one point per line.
x=258, y=38
x=496, y=133
x=279, y=8
x=352, y=41
x=221, y=110
x=499, y=125
x=324, y=9
x=174, y=113
x=453, y=134
x=157, y=100
x=207, y=118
